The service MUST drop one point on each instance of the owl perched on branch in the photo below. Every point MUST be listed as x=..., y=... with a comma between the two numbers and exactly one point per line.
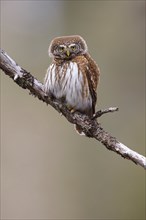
x=73, y=75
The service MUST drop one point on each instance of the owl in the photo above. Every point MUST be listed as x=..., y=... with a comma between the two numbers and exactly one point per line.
x=73, y=75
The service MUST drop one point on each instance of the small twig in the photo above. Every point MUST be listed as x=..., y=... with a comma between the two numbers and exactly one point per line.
x=101, y=112
x=90, y=127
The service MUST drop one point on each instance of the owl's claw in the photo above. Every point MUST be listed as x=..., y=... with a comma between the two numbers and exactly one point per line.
x=70, y=108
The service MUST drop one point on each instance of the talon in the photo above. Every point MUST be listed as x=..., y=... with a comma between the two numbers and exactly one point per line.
x=71, y=109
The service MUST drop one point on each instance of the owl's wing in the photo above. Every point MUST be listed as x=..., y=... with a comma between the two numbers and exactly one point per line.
x=92, y=74
x=92, y=90
x=90, y=71
x=94, y=71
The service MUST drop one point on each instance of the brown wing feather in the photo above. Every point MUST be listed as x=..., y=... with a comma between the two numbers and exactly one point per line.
x=94, y=70
x=92, y=91
x=91, y=71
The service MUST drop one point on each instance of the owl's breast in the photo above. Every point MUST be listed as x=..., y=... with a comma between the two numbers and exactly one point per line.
x=68, y=81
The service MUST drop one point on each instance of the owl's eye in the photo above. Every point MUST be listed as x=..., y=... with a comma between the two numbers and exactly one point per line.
x=73, y=47
x=61, y=49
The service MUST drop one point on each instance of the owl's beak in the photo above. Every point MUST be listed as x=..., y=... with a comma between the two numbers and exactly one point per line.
x=67, y=52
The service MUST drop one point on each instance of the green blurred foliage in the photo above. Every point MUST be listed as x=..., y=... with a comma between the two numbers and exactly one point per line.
x=48, y=171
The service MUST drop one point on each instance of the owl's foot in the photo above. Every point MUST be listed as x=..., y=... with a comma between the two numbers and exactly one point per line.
x=70, y=108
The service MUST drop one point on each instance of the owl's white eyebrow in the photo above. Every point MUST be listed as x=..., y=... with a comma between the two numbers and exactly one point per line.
x=71, y=45
x=62, y=46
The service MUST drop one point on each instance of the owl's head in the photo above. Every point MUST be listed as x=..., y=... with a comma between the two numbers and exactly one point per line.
x=67, y=47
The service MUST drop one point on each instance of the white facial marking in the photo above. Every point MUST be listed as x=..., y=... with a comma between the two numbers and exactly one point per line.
x=62, y=45
x=72, y=45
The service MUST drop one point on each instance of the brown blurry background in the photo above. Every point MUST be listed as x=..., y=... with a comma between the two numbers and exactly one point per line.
x=47, y=170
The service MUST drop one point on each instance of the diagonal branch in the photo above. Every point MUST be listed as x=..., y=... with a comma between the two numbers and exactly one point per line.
x=89, y=126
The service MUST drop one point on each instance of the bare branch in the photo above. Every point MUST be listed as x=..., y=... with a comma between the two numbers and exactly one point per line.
x=89, y=126
x=101, y=112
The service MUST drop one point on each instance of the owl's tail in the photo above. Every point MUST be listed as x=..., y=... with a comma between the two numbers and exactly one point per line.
x=78, y=130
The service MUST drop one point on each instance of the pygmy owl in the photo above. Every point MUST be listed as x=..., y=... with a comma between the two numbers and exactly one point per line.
x=73, y=75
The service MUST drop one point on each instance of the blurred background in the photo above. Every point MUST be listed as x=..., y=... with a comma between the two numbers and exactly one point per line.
x=47, y=170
